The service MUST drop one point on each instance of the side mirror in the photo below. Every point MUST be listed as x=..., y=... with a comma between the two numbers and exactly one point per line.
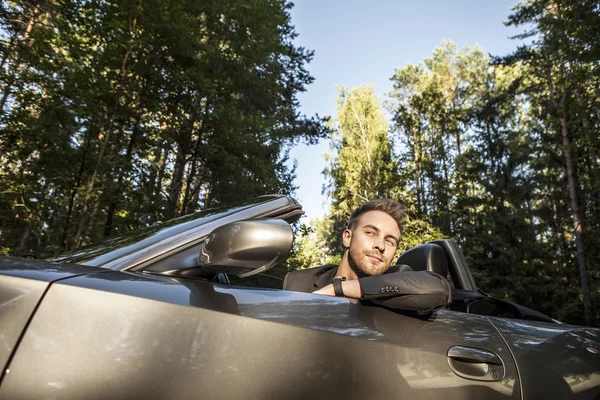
x=246, y=248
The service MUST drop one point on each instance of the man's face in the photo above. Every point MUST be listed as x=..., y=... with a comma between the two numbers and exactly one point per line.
x=372, y=243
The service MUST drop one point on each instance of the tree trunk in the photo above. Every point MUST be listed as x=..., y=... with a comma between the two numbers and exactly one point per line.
x=417, y=167
x=117, y=190
x=78, y=181
x=177, y=180
x=89, y=232
x=22, y=249
x=193, y=203
x=577, y=221
x=184, y=147
x=189, y=184
x=157, y=173
x=557, y=235
x=560, y=109
x=110, y=213
x=195, y=184
x=90, y=186
x=128, y=94
x=195, y=178
x=9, y=50
x=446, y=217
x=17, y=63
x=595, y=171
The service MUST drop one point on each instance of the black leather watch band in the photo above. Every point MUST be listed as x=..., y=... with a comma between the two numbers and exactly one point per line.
x=337, y=285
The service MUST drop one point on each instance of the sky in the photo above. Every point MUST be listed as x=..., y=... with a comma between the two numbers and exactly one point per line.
x=362, y=42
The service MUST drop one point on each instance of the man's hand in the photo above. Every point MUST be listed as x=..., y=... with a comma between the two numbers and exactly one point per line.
x=351, y=289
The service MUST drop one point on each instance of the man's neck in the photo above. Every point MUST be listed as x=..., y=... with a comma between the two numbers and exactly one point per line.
x=345, y=269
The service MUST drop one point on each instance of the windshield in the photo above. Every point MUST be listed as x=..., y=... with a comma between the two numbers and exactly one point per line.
x=112, y=248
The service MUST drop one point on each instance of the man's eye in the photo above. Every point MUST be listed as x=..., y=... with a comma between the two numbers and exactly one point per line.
x=369, y=233
x=391, y=242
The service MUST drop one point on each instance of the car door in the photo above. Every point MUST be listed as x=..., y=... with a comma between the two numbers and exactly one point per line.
x=557, y=361
x=132, y=335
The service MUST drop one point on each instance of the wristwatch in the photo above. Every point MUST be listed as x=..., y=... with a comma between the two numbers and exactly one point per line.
x=337, y=285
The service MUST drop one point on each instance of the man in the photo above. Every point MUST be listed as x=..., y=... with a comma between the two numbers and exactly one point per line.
x=371, y=239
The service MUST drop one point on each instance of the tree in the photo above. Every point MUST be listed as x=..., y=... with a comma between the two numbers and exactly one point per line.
x=129, y=113
x=361, y=166
x=431, y=108
x=562, y=57
x=468, y=153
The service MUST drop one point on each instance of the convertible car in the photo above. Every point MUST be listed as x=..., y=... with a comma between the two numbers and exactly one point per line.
x=172, y=312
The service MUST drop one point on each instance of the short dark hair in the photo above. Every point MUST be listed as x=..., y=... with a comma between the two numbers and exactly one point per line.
x=390, y=207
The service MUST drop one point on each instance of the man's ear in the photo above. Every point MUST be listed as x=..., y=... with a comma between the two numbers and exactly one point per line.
x=346, y=236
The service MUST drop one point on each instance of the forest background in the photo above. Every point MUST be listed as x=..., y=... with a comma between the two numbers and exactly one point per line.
x=117, y=114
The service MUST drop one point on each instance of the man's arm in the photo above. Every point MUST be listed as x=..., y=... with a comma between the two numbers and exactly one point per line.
x=420, y=291
x=351, y=289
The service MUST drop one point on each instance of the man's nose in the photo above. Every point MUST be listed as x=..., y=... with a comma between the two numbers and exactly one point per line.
x=379, y=244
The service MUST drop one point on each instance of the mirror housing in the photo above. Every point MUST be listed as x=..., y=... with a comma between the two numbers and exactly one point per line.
x=245, y=248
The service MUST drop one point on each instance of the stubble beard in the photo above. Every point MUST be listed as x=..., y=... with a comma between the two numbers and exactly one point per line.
x=360, y=262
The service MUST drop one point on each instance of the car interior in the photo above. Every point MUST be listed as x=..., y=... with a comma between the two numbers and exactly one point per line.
x=445, y=258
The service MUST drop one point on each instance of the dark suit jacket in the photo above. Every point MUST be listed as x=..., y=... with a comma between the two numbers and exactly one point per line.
x=402, y=288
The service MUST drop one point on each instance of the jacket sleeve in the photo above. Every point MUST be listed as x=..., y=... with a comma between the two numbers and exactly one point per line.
x=420, y=291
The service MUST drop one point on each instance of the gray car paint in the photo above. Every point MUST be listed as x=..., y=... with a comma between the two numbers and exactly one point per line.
x=555, y=361
x=21, y=289
x=245, y=248
x=18, y=298
x=128, y=335
x=42, y=270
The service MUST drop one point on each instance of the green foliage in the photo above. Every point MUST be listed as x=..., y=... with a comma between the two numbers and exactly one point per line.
x=362, y=167
x=561, y=62
x=115, y=115
x=474, y=166
x=310, y=247
x=503, y=157
x=361, y=164
x=416, y=232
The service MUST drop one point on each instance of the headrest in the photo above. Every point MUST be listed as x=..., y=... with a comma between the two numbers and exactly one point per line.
x=430, y=257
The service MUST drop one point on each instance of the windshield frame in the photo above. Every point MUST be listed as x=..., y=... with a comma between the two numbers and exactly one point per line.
x=171, y=236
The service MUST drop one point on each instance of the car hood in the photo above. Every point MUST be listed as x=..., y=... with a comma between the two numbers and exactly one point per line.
x=554, y=360
x=41, y=270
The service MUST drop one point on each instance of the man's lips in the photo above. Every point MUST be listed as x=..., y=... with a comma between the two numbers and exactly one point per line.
x=374, y=257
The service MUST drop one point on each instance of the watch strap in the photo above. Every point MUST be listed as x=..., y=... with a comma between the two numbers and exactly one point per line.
x=337, y=285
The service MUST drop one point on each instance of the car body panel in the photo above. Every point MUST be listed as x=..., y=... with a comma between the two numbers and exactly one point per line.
x=555, y=360
x=22, y=286
x=18, y=299
x=130, y=335
x=41, y=270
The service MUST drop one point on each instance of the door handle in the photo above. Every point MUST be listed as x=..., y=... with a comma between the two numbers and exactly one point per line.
x=474, y=363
